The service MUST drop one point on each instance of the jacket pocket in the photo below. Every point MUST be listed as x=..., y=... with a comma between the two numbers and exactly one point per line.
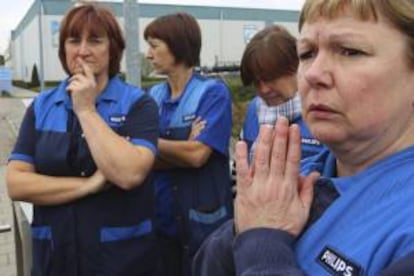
x=202, y=223
x=128, y=250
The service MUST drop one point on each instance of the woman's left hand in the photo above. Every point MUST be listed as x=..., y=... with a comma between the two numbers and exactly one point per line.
x=196, y=127
x=83, y=88
x=272, y=194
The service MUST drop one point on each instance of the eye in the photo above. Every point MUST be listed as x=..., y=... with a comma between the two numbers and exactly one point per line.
x=351, y=52
x=72, y=40
x=95, y=40
x=304, y=55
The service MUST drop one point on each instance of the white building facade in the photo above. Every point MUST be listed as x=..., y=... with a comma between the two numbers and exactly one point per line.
x=225, y=32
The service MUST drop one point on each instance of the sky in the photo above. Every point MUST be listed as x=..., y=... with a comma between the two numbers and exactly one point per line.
x=13, y=11
x=10, y=15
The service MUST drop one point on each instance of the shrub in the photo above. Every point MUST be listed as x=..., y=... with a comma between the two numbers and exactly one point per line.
x=35, y=82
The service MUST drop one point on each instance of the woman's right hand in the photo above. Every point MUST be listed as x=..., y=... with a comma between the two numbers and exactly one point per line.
x=272, y=194
x=82, y=87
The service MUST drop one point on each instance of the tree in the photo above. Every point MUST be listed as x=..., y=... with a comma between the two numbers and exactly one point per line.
x=35, y=82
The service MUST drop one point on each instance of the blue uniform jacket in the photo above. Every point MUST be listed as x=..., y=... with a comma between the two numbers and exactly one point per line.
x=109, y=233
x=250, y=129
x=200, y=198
x=366, y=230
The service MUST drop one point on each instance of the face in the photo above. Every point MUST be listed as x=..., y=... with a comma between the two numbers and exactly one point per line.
x=94, y=50
x=277, y=91
x=160, y=56
x=355, y=83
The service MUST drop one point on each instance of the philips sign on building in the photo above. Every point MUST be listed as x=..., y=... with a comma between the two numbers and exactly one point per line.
x=225, y=31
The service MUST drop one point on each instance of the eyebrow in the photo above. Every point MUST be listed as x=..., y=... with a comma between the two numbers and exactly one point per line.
x=346, y=36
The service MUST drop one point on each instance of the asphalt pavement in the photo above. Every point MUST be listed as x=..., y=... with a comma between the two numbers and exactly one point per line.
x=12, y=257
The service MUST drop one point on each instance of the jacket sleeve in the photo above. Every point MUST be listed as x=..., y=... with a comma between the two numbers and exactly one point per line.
x=265, y=251
x=254, y=252
x=404, y=266
x=215, y=256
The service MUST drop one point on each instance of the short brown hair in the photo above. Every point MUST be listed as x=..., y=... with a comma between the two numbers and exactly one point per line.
x=98, y=20
x=399, y=13
x=269, y=55
x=182, y=35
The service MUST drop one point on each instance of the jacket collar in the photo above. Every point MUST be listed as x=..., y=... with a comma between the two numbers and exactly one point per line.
x=108, y=94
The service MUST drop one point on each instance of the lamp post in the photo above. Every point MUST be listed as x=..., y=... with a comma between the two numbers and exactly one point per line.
x=41, y=63
x=131, y=23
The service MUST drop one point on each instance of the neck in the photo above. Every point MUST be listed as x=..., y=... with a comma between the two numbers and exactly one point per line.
x=178, y=80
x=353, y=159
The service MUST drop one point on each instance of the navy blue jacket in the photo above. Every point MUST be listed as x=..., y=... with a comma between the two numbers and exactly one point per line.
x=201, y=197
x=108, y=233
x=363, y=230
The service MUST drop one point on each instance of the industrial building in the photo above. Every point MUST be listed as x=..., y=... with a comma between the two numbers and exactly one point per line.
x=225, y=32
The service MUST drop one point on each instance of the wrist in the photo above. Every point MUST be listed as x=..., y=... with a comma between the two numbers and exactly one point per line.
x=92, y=185
x=86, y=186
x=85, y=112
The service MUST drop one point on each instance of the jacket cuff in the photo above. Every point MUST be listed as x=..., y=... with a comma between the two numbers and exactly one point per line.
x=263, y=247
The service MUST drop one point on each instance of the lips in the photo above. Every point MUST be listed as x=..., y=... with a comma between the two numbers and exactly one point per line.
x=321, y=111
x=321, y=107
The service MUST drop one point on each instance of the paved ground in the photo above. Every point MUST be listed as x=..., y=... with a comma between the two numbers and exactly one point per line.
x=11, y=113
x=18, y=92
x=7, y=240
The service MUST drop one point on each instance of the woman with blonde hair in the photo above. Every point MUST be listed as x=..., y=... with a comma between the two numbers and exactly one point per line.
x=348, y=210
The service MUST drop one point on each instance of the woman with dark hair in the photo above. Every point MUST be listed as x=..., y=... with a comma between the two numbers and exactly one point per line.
x=83, y=156
x=193, y=185
x=269, y=63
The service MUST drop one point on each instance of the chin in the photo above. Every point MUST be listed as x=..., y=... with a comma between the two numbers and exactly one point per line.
x=160, y=72
x=325, y=133
x=275, y=102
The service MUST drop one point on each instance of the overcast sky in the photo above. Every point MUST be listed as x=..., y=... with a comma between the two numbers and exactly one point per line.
x=13, y=11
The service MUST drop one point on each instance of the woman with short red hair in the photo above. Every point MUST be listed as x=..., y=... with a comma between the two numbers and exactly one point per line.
x=82, y=158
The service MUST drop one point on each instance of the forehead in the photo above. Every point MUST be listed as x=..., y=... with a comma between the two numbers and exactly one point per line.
x=346, y=25
x=86, y=22
x=88, y=30
x=313, y=10
x=152, y=39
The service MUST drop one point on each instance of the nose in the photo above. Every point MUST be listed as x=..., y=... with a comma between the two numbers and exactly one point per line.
x=263, y=88
x=318, y=71
x=83, y=49
x=148, y=54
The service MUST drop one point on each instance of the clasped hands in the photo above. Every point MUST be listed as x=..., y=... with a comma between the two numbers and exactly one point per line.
x=270, y=192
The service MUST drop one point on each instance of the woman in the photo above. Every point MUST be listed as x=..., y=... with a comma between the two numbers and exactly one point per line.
x=356, y=80
x=83, y=156
x=269, y=63
x=192, y=173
